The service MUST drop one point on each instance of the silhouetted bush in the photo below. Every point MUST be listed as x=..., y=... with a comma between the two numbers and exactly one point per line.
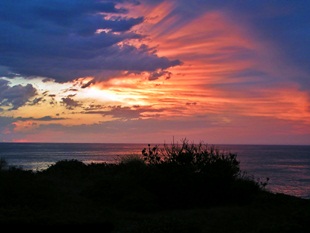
x=67, y=166
x=132, y=164
x=176, y=176
x=188, y=174
x=197, y=158
x=67, y=171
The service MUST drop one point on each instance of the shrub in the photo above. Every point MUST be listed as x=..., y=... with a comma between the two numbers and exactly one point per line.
x=199, y=158
x=151, y=155
x=67, y=170
x=188, y=174
x=67, y=166
x=132, y=159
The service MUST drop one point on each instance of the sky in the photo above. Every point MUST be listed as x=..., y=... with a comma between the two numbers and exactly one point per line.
x=153, y=71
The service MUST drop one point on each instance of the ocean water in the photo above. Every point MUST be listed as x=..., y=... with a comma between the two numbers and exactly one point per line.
x=287, y=167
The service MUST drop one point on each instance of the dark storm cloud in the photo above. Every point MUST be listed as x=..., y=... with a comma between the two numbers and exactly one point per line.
x=58, y=39
x=15, y=96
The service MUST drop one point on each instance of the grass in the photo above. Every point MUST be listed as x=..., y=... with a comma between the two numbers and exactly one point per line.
x=178, y=188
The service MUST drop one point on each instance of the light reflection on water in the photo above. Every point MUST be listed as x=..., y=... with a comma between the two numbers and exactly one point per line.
x=288, y=167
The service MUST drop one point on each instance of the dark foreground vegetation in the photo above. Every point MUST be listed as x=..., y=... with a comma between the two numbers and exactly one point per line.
x=178, y=188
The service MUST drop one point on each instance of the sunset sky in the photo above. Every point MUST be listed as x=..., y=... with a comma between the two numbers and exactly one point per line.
x=150, y=71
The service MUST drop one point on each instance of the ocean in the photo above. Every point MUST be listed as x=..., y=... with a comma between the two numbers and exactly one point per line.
x=287, y=167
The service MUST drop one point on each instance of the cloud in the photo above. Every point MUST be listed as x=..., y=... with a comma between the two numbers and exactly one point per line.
x=37, y=100
x=127, y=113
x=93, y=107
x=265, y=131
x=120, y=112
x=66, y=39
x=281, y=27
x=15, y=96
x=70, y=103
x=45, y=118
x=159, y=73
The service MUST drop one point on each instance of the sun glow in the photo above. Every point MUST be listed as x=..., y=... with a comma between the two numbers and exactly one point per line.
x=113, y=95
x=99, y=95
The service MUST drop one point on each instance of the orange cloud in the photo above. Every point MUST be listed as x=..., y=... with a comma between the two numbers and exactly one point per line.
x=225, y=69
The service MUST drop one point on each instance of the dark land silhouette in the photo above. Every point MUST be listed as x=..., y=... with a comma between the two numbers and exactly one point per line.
x=178, y=188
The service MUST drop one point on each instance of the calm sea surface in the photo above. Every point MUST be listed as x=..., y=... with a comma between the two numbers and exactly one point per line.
x=287, y=167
